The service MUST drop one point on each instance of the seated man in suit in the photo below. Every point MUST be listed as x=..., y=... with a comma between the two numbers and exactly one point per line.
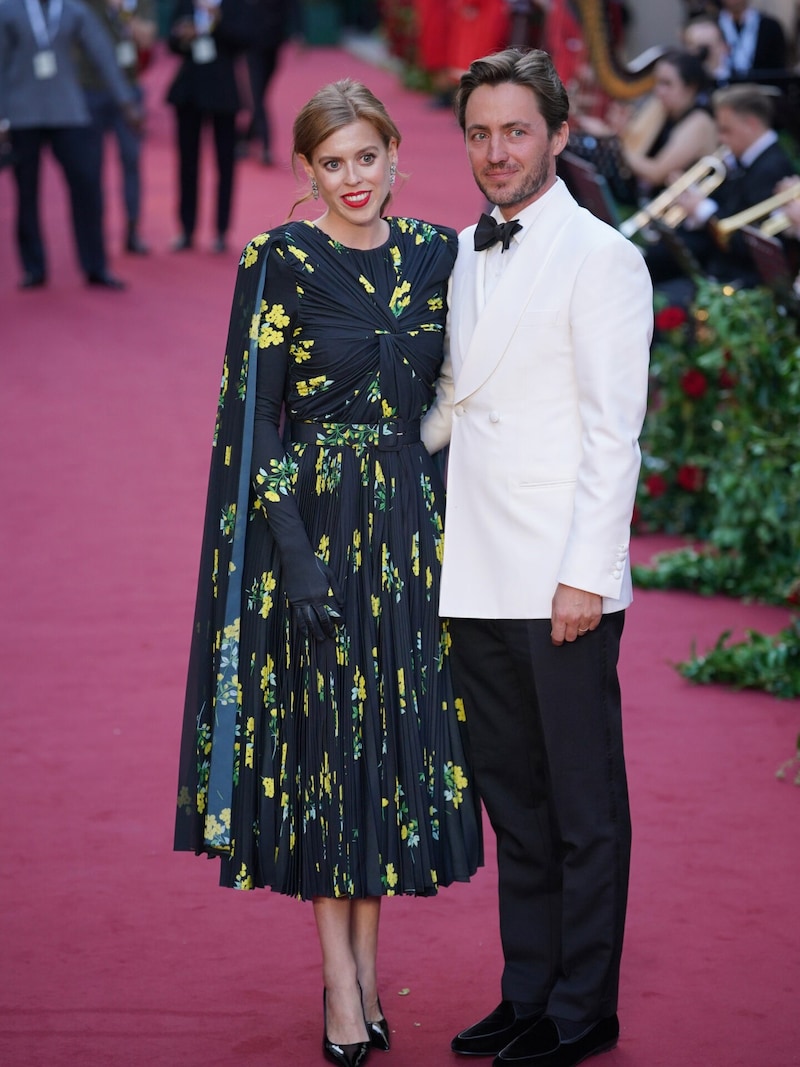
x=756, y=164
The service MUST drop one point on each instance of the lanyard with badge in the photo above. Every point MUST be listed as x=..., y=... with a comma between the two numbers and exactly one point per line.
x=44, y=60
x=204, y=48
x=741, y=41
x=121, y=13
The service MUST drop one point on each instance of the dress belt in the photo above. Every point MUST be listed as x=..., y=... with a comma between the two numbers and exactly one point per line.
x=388, y=435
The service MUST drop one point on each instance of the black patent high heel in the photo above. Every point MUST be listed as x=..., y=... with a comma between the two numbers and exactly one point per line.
x=378, y=1031
x=354, y=1055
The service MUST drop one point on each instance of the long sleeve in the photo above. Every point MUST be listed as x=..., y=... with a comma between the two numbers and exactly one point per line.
x=611, y=318
x=272, y=470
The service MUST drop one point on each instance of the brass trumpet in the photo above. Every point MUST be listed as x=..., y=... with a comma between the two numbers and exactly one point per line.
x=706, y=174
x=773, y=223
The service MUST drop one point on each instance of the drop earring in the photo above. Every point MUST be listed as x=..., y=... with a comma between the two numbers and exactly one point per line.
x=314, y=189
x=392, y=173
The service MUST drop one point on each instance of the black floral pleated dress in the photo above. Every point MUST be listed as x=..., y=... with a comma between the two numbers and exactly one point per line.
x=331, y=768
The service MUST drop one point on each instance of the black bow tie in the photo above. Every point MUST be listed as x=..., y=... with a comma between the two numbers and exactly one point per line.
x=487, y=232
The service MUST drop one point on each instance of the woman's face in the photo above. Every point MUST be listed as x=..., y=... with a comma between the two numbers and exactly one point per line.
x=672, y=90
x=352, y=170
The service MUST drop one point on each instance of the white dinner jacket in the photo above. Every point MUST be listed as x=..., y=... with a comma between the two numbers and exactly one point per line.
x=542, y=396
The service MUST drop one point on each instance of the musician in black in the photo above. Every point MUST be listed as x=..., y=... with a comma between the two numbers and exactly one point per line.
x=755, y=164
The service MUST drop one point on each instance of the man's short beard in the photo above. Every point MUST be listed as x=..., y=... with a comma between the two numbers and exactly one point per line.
x=533, y=181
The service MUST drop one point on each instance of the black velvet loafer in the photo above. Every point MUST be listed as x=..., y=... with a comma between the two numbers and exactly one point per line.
x=32, y=281
x=495, y=1032
x=543, y=1046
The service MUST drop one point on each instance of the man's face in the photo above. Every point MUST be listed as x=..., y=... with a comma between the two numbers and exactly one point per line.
x=734, y=7
x=736, y=131
x=512, y=155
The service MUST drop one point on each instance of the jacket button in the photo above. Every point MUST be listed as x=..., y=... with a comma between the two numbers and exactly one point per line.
x=494, y=417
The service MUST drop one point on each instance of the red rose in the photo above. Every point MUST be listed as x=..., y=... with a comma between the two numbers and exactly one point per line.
x=694, y=383
x=670, y=318
x=690, y=478
x=655, y=485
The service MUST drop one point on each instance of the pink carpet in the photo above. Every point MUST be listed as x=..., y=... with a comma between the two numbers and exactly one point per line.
x=118, y=952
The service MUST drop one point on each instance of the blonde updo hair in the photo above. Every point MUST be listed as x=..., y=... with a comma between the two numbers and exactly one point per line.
x=330, y=109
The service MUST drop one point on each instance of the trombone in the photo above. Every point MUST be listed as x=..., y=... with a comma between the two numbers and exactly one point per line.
x=706, y=174
x=775, y=221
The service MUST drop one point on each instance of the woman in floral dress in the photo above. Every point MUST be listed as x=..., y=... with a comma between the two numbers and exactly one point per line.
x=323, y=753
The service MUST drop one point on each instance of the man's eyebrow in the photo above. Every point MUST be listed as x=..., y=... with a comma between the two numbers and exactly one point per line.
x=519, y=124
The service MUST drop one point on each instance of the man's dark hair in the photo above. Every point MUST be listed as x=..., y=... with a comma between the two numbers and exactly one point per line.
x=533, y=69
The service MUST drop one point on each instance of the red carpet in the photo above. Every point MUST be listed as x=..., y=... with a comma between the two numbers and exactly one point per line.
x=117, y=952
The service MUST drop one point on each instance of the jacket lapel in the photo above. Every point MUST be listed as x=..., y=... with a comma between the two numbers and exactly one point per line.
x=485, y=329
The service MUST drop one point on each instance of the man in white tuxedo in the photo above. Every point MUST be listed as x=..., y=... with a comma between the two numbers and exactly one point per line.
x=541, y=400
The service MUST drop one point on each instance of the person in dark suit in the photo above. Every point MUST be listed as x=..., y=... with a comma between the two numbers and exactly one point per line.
x=131, y=24
x=756, y=41
x=755, y=165
x=208, y=35
x=541, y=400
x=41, y=103
x=269, y=21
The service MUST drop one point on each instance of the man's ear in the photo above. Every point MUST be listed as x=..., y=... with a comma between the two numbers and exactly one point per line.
x=560, y=138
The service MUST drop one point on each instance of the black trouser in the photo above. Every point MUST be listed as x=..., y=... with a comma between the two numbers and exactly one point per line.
x=261, y=64
x=72, y=148
x=190, y=125
x=545, y=731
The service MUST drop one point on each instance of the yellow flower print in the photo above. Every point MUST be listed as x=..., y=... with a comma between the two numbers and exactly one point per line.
x=269, y=336
x=232, y=630
x=300, y=350
x=461, y=711
x=400, y=298
x=243, y=879
x=250, y=254
x=269, y=786
x=213, y=829
x=360, y=687
x=255, y=323
x=370, y=288
x=277, y=316
x=386, y=409
x=324, y=548
x=227, y=455
x=308, y=388
x=455, y=782
x=391, y=875
x=428, y=578
x=435, y=303
x=298, y=253
x=376, y=606
x=397, y=258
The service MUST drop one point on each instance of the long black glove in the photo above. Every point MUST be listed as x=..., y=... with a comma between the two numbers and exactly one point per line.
x=311, y=589
x=314, y=596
